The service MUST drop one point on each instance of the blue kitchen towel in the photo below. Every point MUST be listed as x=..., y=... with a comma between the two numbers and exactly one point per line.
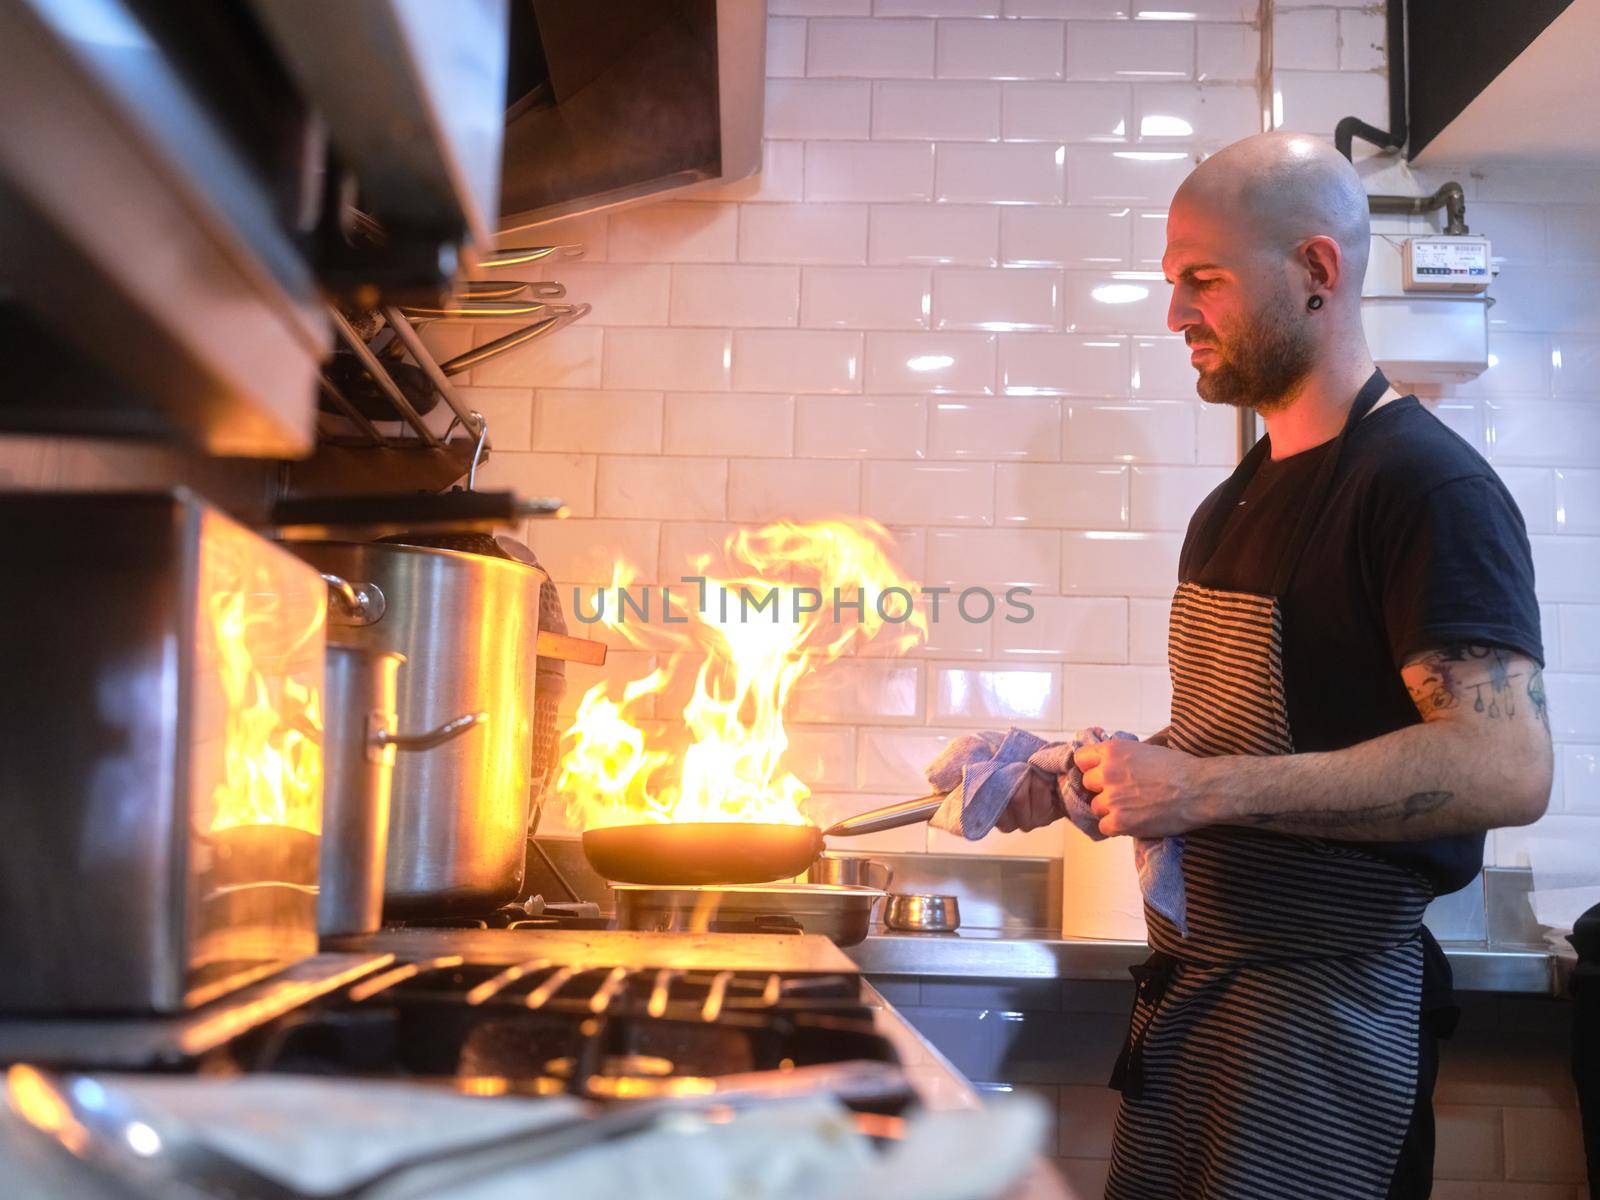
x=984, y=772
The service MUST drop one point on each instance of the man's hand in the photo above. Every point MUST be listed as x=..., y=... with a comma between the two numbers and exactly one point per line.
x=1036, y=804
x=1140, y=789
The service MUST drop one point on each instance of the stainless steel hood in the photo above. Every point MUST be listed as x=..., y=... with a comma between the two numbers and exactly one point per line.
x=622, y=101
x=176, y=186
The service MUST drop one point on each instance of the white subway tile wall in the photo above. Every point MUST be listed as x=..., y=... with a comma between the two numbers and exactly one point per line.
x=939, y=306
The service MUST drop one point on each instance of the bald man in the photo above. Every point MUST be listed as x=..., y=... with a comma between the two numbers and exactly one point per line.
x=1355, y=657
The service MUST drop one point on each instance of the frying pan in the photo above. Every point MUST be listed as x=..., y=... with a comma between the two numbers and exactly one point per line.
x=711, y=852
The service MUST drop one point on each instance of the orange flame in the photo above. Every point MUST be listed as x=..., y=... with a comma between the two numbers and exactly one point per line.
x=780, y=604
x=271, y=760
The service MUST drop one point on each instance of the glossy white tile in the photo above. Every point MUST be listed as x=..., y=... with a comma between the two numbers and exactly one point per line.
x=796, y=361
x=1067, y=112
x=1577, y=499
x=1009, y=695
x=895, y=758
x=965, y=298
x=675, y=231
x=993, y=558
x=786, y=47
x=999, y=50
x=1061, y=496
x=1316, y=101
x=1225, y=53
x=1567, y=567
x=595, y=422
x=930, y=493
x=1215, y=113
x=1166, y=497
x=876, y=49
x=865, y=298
x=735, y=295
x=860, y=426
x=803, y=233
x=1080, y=10
x=1217, y=438
x=588, y=551
x=818, y=108
x=1115, y=302
x=1519, y=365
x=1533, y=489
x=1107, y=696
x=1149, y=238
x=1362, y=40
x=1138, y=431
x=1006, y=173
x=1070, y=237
x=1034, y=364
x=1306, y=40
x=858, y=171
x=792, y=489
x=943, y=110
x=1110, y=562
x=572, y=361
x=863, y=691
x=1105, y=175
x=692, y=488
x=820, y=8
x=822, y=757
x=935, y=234
x=995, y=428
x=1553, y=432
x=620, y=293
x=937, y=8
x=1161, y=369
x=1077, y=629
x=1147, y=630
x=1574, y=364
x=509, y=412
x=931, y=362
x=1195, y=10
x=689, y=360
x=1129, y=51
x=568, y=476
x=1579, y=628
x=711, y=423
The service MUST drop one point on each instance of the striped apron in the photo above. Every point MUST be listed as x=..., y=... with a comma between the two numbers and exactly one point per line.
x=1273, y=1052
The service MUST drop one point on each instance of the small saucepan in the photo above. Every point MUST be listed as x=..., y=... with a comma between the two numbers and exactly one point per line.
x=698, y=853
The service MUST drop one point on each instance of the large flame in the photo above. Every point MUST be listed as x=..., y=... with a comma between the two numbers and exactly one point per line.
x=764, y=618
x=271, y=768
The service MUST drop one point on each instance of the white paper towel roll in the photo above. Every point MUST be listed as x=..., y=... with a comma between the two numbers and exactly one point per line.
x=1100, y=889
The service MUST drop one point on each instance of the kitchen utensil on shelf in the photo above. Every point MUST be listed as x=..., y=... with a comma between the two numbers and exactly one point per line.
x=360, y=742
x=724, y=852
x=155, y=651
x=921, y=913
x=467, y=625
x=841, y=913
x=852, y=871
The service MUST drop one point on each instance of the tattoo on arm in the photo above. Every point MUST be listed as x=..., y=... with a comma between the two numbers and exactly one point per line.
x=1496, y=683
x=1417, y=804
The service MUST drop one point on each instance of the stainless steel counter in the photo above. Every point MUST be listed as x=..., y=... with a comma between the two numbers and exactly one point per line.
x=1043, y=954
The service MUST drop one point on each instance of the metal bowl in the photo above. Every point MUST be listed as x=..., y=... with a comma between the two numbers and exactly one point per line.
x=922, y=913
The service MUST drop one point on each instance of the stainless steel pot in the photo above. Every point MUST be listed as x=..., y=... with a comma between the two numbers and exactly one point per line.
x=359, y=743
x=842, y=914
x=909, y=913
x=852, y=871
x=467, y=625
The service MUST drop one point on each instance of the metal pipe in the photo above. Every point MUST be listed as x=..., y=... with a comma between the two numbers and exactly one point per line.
x=512, y=340
x=1393, y=138
x=1449, y=197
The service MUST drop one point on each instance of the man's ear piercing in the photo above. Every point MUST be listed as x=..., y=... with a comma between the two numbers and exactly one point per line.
x=1314, y=303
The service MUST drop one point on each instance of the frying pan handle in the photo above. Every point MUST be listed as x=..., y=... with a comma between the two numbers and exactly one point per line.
x=907, y=812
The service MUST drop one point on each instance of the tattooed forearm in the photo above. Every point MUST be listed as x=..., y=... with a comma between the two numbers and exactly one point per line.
x=1417, y=804
x=1492, y=682
x=1536, y=698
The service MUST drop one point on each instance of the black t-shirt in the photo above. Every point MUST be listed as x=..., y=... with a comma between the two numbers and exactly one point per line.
x=1419, y=545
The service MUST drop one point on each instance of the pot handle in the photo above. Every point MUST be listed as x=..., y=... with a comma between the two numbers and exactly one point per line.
x=354, y=603
x=432, y=737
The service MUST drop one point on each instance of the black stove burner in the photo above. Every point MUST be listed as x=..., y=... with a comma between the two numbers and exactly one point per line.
x=603, y=1033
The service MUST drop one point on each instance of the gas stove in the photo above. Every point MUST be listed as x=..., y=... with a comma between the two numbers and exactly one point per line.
x=605, y=1015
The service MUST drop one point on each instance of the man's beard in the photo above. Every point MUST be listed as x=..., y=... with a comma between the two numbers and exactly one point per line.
x=1261, y=366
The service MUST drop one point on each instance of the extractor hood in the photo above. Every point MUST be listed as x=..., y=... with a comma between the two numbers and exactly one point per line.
x=613, y=103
